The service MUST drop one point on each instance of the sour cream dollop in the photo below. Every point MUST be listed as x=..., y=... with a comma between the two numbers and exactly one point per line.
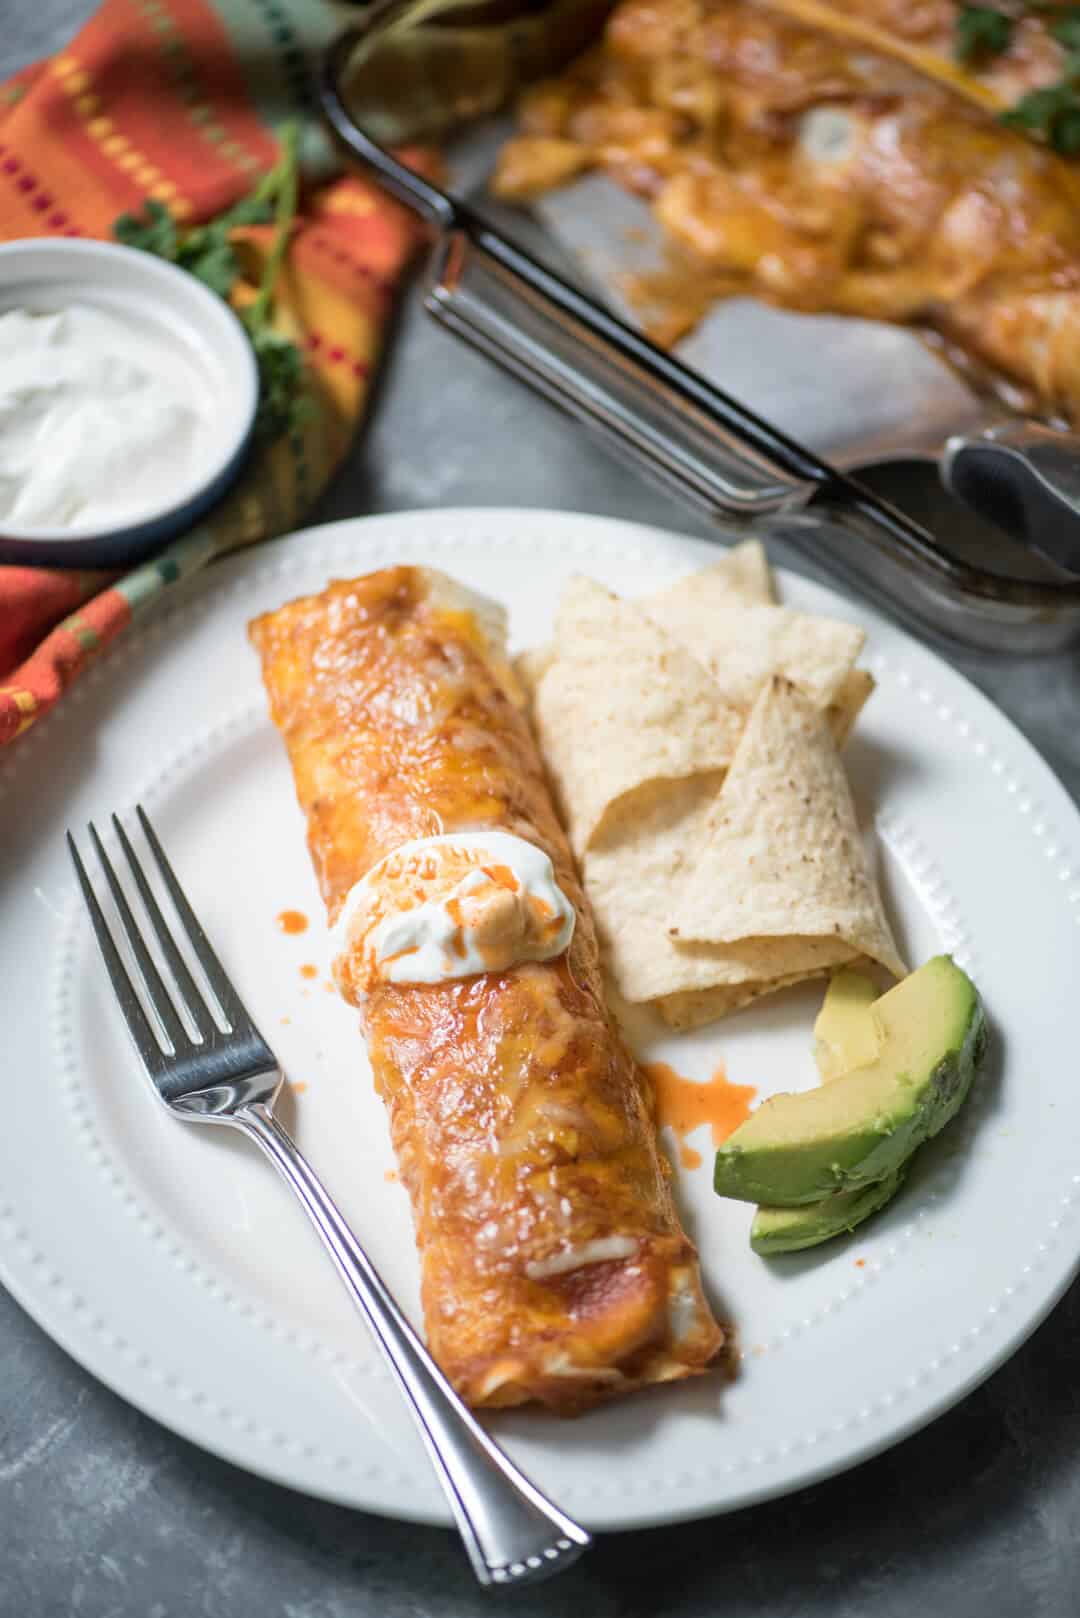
x=99, y=421
x=450, y=907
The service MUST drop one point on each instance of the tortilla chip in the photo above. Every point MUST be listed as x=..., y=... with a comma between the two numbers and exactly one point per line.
x=851, y=697
x=649, y=850
x=818, y=660
x=621, y=705
x=742, y=577
x=710, y=887
x=848, y=703
x=685, y=1011
x=743, y=574
x=742, y=646
x=748, y=572
x=781, y=856
x=629, y=871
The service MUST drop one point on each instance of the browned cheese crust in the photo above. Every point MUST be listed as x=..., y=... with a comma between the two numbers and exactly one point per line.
x=517, y=1114
x=832, y=157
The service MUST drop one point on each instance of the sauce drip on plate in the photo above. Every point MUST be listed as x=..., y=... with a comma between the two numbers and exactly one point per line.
x=685, y=1104
x=292, y=921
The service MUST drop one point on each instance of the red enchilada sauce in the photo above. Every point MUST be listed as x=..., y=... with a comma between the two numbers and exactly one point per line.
x=685, y=1104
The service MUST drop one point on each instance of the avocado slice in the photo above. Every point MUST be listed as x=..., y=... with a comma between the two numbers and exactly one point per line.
x=846, y=1034
x=787, y=1230
x=863, y=1126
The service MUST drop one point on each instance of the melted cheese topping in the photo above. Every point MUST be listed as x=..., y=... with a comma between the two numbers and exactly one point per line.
x=451, y=907
x=601, y=1250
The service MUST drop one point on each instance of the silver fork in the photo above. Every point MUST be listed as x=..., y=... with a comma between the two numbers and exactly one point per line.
x=228, y=1075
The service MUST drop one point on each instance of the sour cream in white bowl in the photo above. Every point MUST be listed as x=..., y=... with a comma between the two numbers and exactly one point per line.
x=128, y=393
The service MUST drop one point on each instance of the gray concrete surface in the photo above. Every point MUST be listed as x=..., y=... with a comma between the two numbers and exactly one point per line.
x=106, y=1515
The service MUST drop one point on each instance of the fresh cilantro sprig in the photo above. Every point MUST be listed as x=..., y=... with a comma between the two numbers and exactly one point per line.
x=1066, y=28
x=1052, y=114
x=207, y=252
x=981, y=31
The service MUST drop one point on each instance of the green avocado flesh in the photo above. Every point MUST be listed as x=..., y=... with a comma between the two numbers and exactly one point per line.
x=846, y=1034
x=861, y=1127
x=787, y=1230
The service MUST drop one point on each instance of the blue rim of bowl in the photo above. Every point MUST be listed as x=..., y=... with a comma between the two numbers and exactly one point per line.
x=116, y=547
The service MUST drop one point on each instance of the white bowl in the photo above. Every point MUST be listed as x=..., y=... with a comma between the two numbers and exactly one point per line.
x=176, y=310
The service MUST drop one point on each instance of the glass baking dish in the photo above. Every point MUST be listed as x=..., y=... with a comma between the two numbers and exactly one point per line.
x=676, y=425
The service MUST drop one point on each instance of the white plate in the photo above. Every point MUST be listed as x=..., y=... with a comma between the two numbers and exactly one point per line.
x=173, y=1265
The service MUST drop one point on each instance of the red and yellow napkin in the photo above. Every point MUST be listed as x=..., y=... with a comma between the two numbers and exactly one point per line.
x=178, y=100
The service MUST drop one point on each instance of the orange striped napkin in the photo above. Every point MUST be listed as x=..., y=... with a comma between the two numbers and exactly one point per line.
x=178, y=100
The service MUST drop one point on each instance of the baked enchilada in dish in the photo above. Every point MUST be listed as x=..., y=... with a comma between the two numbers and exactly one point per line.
x=891, y=162
x=553, y=1264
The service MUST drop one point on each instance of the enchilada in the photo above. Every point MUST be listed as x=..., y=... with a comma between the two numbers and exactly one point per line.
x=839, y=159
x=553, y=1264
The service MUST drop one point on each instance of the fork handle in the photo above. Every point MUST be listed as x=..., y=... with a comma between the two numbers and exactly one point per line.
x=511, y=1532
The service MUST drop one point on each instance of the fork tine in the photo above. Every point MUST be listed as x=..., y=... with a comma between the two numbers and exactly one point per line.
x=158, y=994
x=134, y=1015
x=236, y=1013
x=196, y=1004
